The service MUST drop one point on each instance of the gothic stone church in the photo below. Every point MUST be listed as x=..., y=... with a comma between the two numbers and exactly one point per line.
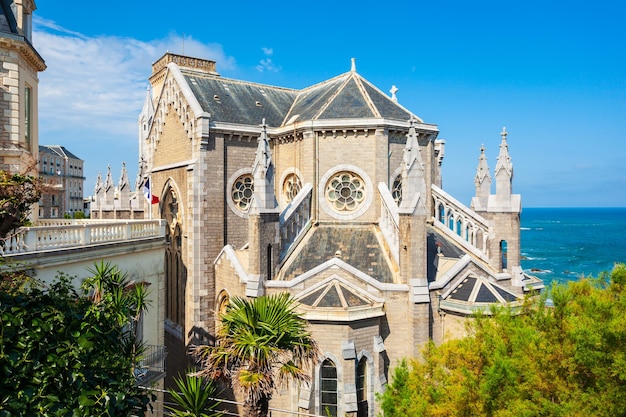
x=332, y=193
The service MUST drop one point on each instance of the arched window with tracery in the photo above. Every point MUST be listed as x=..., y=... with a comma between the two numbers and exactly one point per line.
x=175, y=270
x=328, y=388
x=361, y=388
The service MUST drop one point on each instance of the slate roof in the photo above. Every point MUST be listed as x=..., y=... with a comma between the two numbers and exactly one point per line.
x=347, y=96
x=436, y=242
x=240, y=102
x=354, y=244
x=8, y=24
x=474, y=292
x=57, y=150
x=335, y=294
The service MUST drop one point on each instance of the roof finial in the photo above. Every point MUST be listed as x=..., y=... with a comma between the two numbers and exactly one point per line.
x=393, y=92
x=503, y=133
x=353, y=67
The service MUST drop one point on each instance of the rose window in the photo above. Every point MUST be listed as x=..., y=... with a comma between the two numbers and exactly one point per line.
x=242, y=192
x=345, y=191
x=291, y=187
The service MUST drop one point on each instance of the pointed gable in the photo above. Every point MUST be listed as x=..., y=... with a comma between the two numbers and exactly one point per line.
x=387, y=108
x=310, y=101
x=347, y=96
x=336, y=299
x=348, y=103
x=476, y=294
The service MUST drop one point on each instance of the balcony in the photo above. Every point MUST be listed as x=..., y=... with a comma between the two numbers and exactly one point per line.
x=52, y=234
x=151, y=367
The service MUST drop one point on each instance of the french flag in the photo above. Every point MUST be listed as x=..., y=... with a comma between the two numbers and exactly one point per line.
x=147, y=192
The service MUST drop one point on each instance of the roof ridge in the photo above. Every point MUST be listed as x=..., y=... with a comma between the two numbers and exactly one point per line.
x=394, y=102
x=359, y=82
x=188, y=73
x=334, y=95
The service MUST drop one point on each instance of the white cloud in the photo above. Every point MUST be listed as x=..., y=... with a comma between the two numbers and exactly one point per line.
x=93, y=89
x=100, y=82
x=267, y=64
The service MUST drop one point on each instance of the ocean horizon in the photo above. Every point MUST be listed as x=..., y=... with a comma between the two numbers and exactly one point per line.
x=564, y=244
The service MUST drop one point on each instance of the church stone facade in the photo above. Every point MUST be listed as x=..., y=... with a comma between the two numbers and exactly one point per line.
x=332, y=193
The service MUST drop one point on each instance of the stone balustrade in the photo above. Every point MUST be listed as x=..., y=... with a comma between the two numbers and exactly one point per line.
x=66, y=233
x=389, y=220
x=295, y=219
x=463, y=222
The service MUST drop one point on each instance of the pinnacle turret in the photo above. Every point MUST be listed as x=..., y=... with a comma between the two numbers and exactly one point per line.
x=482, y=180
x=504, y=169
x=413, y=183
x=263, y=173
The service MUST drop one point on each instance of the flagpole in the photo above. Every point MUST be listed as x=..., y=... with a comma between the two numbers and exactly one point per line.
x=150, y=202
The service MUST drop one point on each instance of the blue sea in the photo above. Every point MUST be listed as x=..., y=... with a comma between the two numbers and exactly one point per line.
x=563, y=244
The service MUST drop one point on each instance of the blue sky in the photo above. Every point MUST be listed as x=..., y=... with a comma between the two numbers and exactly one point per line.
x=553, y=73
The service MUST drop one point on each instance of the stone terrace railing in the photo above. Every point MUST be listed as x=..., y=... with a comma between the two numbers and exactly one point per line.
x=62, y=233
x=463, y=223
x=295, y=219
x=389, y=220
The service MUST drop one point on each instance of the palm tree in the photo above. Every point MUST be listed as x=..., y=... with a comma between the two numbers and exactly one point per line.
x=124, y=300
x=194, y=397
x=261, y=344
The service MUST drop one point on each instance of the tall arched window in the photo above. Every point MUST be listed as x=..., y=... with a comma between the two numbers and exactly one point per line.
x=175, y=270
x=503, y=254
x=361, y=388
x=328, y=388
x=442, y=214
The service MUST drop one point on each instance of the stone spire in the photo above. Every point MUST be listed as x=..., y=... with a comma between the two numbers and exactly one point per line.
x=98, y=187
x=124, y=183
x=109, y=187
x=123, y=189
x=142, y=173
x=263, y=173
x=482, y=180
x=504, y=169
x=145, y=120
x=413, y=183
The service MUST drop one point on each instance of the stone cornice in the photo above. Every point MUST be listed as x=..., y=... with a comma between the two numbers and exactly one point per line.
x=24, y=48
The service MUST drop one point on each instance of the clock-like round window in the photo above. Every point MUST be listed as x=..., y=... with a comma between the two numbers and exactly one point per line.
x=242, y=192
x=345, y=191
x=291, y=187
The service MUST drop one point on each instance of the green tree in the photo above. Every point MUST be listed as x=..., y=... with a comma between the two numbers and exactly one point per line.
x=17, y=194
x=261, y=344
x=561, y=356
x=194, y=397
x=63, y=354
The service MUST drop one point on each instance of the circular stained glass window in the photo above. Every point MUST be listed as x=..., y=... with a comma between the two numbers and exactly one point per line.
x=396, y=190
x=242, y=191
x=291, y=187
x=345, y=191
